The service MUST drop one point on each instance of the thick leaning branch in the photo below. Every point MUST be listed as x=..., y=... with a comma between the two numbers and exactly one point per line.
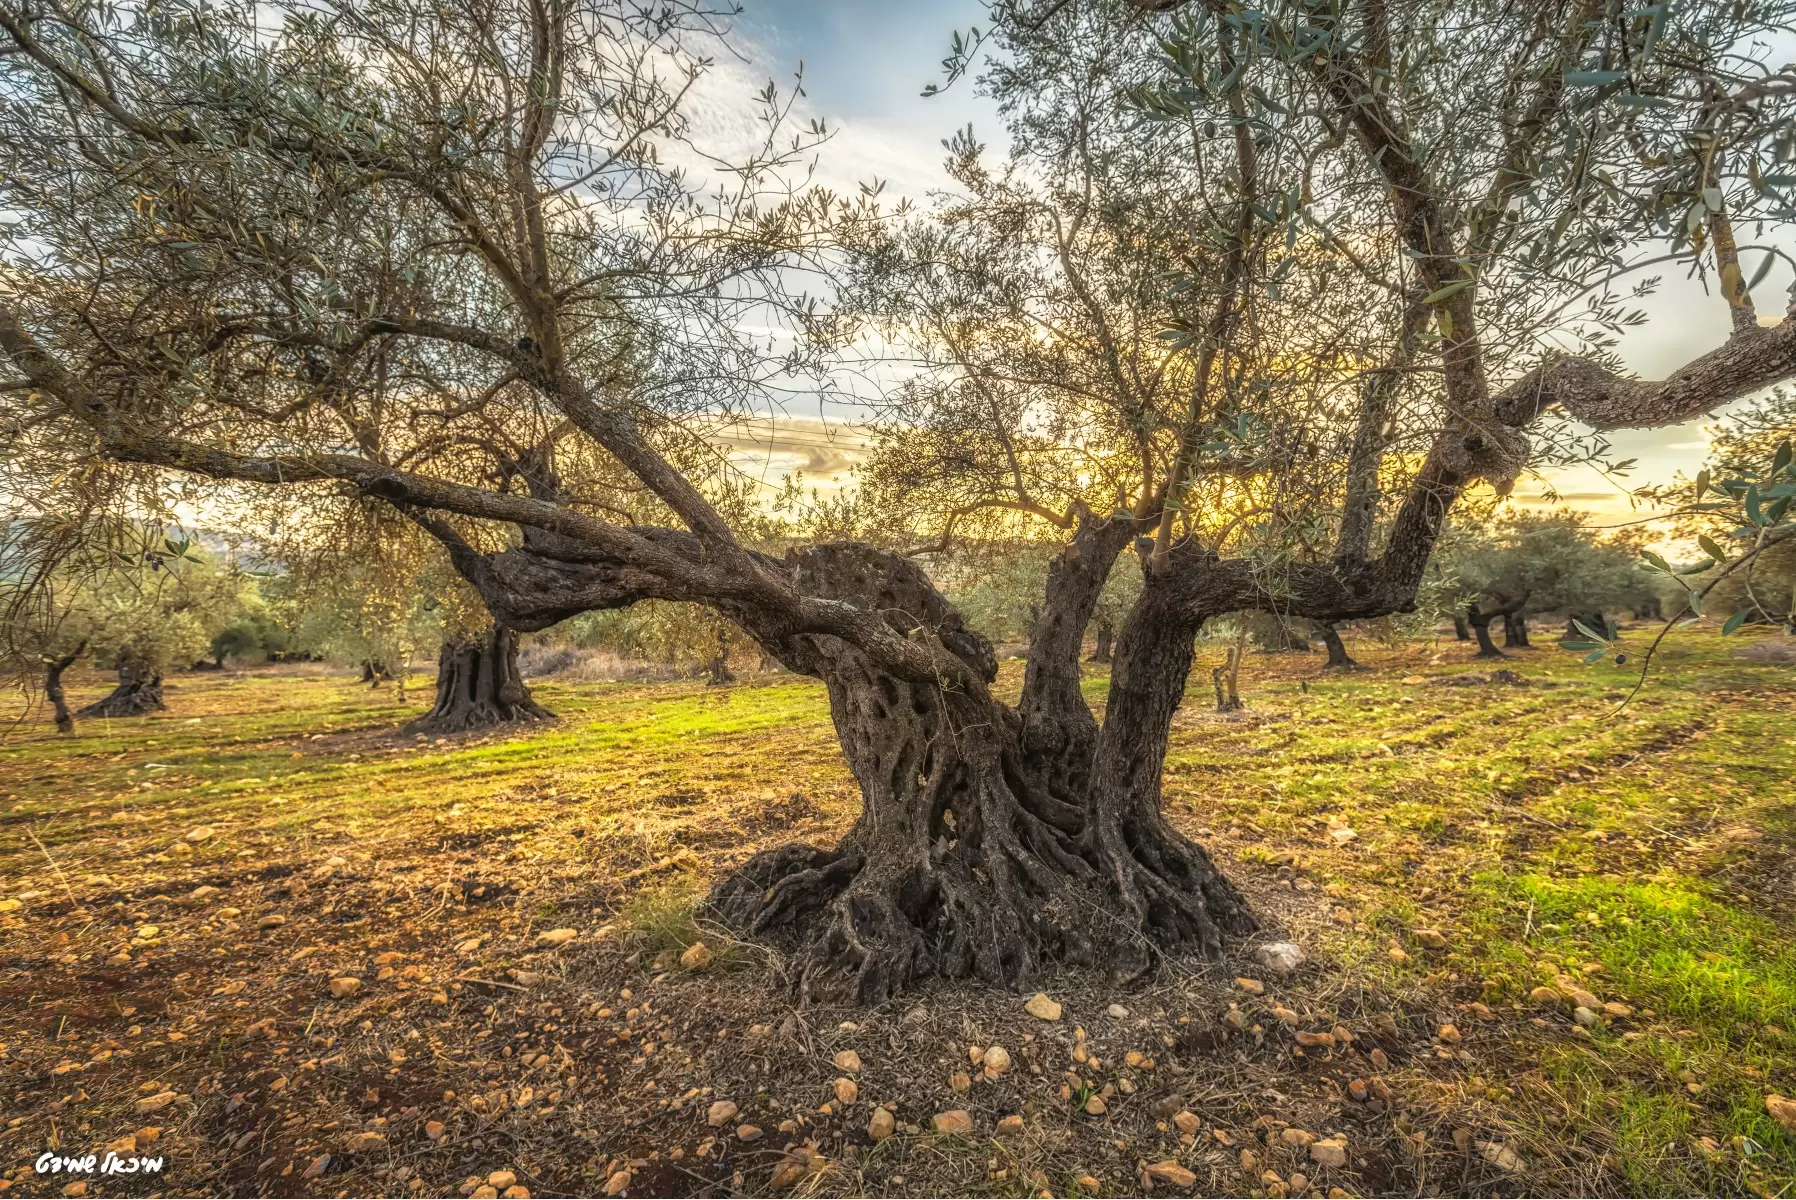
x=1752, y=359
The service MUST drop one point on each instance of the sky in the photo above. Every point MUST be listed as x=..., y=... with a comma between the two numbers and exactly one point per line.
x=865, y=64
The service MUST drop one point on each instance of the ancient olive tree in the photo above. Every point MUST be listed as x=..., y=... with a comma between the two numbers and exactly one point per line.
x=1533, y=563
x=1269, y=289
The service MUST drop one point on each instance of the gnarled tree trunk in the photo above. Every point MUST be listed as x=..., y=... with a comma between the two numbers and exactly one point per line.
x=374, y=672
x=139, y=691
x=1481, y=617
x=478, y=685
x=1515, y=632
x=989, y=842
x=53, y=669
x=1338, y=658
x=1462, y=632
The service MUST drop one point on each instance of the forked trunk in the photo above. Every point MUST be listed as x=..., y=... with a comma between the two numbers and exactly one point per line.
x=1481, y=617
x=139, y=691
x=1338, y=658
x=374, y=672
x=1515, y=632
x=989, y=842
x=53, y=669
x=478, y=685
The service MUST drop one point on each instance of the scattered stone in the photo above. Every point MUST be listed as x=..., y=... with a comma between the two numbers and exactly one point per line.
x=847, y=1060
x=271, y=921
x=1116, y=1011
x=362, y=1141
x=1294, y=1136
x=1095, y=1107
x=551, y=939
x=1431, y=939
x=158, y=1102
x=1042, y=1008
x=434, y=1130
x=798, y=1162
x=617, y=1183
x=1615, y=1008
x=1545, y=995
x=1187, y=1121
x=199, y=833
x=516, y=1191
x=1168, y=1172
x=960, y=1081
x=721, y=1112
x=955, y=1120
x=1586, y=1017
x=1315, y=1039
x=1090, y=1184
x=344, y=986
x=1782, y=1110
x=1380, y=1059
x=1330, y=1152
x=1501, y=1156
x=1281, y=958
x=882, y=1125
x=1252, y=987
x=697, y=957
x=1359, y=1090
x=748, y=1133
x=500, y=1180
x=996, y=1061
x=1449, y=1033
x=1011, y=1124
x=847, y=1090
x=316, y=1167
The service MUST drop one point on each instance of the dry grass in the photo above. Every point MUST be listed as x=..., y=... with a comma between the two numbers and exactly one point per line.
x=1652, y=853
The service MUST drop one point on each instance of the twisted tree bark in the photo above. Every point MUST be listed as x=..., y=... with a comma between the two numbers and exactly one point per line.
x=984, y=846
x=478, y=685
